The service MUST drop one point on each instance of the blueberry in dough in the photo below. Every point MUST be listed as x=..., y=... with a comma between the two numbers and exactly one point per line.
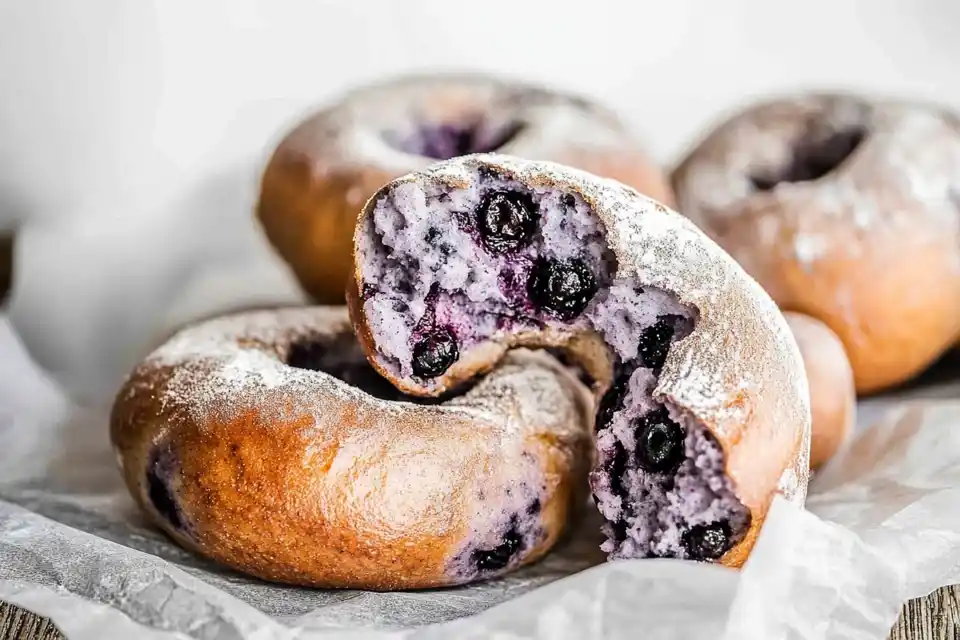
x=507, y=221
x=659, y=442
x=707, y=541
x=434, y=353
x=488, y=560
x=160, y=494
x=655, y=341
x=562, y=287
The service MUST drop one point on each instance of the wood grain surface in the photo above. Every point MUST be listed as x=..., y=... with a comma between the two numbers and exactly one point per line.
x=934, y=617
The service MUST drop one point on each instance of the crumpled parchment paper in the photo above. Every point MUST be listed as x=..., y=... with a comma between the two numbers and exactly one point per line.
x=882, y=526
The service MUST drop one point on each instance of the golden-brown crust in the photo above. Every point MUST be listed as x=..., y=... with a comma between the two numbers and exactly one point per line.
x=324, y=170
x=870, y=248
x=833, y=398
x=739, y=372
x=294, y=476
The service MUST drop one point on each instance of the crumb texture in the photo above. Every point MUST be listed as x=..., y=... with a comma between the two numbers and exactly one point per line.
x=492, y=257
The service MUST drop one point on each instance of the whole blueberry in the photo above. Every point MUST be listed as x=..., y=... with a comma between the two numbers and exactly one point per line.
x=434, y=353
x=500, y=556
x=562, y=287
x=655, y=341
x=507, y=220
x=161, y=496
x=659, y=442
x=707, y=541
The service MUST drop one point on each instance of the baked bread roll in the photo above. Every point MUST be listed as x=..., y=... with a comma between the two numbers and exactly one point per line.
x=704, y=415
x=266, y=442
x=846, y=210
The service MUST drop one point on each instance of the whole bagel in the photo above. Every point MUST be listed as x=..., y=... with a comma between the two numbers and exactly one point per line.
x=265, y=441
x=846, y=210
x=323, y=171
x=704, y=415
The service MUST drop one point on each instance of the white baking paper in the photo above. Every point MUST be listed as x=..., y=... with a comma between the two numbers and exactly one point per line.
x=883, y=526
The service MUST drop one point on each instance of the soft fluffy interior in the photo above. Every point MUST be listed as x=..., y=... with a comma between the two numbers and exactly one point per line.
x=445, y=140
x=431, y=272
x=814, y=156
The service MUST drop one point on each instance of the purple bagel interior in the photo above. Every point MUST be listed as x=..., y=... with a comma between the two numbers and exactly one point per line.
x=445, y=269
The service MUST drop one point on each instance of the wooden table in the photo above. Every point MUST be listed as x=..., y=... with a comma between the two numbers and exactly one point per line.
x=935, y=617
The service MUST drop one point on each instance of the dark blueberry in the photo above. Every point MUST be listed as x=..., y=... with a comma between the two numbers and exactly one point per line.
x=562, y=287
x=618, y=529
x=612, y=400
x=616, y=468
x=568, y=200
x=500, y=556
x=707, y=541
x=655, y=341
x=432, y=234
x=434, y=354
x=161, y=498
x=659, y=442
x=403, y=287
x=814, y=157
x=507, y=220
x=534, y=507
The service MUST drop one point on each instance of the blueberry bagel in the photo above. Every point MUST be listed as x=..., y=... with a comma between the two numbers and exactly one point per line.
x=324, y=170
x=844, y=209
x=704, y=415
x=265, y=441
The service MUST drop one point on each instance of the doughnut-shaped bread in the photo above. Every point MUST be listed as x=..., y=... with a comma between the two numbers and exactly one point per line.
x=846, y=210
x=704, y=416
x=833, y=399
x=266, y=442
x=322, y=173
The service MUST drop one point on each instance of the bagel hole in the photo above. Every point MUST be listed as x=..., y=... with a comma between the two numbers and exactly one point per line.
x=564, y=279
x=813, y=158
x=343, y=358
x=446, y=140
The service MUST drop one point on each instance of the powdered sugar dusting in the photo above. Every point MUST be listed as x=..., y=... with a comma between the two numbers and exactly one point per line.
x=369, y=125
x=479, y=471
x=907, y=165
x=738, y=372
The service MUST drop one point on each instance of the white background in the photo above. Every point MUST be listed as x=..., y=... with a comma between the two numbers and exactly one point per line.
x=132, y=132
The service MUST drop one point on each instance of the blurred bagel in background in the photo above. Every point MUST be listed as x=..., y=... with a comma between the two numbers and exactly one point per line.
x=846, y=209
x=325, y=169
